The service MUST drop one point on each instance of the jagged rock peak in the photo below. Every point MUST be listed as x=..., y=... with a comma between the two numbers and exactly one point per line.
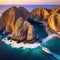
x=39, y=14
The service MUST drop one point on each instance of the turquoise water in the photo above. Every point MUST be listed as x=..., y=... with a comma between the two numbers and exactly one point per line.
x=9, y=53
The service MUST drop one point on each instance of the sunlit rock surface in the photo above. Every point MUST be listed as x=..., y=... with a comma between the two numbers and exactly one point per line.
x=23, y=30
x=39, y=14
x=10, y=16
x=54, y=20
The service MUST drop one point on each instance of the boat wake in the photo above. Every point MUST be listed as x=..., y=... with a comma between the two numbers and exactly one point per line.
x=14, y=44
x=50, y=36
x=50, y=52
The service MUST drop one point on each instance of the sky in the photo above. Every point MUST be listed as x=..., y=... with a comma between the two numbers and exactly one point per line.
x=7, y=2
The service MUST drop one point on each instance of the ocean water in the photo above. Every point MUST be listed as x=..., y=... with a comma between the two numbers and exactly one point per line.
x=9, y=53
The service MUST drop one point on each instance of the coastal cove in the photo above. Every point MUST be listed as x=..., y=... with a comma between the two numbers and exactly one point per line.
x=36, y=53
x=30, y=32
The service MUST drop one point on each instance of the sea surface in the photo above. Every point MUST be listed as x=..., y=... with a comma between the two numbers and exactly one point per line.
x=7, y=52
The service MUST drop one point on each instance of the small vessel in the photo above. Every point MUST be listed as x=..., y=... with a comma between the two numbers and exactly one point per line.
x=45, y=49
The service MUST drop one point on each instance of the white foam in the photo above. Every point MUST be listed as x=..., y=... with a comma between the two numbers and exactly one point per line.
x=50, y=34
x=14, y=44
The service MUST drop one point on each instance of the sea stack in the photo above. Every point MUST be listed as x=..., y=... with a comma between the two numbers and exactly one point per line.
x=23, y=30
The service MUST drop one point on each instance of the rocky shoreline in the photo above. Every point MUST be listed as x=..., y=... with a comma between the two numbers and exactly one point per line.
x=15, y=21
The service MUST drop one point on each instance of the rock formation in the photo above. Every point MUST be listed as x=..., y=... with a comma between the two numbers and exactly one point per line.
x=24, y=13
x=39, y=14
x=10, y=16
x=54, y=20
x=23, y=30
x=14, y=21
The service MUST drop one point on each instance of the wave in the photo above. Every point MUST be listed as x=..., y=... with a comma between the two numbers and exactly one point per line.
x=14, y=44
x=49, y=37
x=50, y=34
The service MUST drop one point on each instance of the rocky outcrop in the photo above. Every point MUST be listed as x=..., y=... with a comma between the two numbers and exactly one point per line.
x=14, y=21
x=23, y=30
x=39, y=14
x=54, y=20
x=24, y=13
x=17, y=30
x=10, y=16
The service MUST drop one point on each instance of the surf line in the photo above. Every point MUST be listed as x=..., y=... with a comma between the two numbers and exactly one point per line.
x=31, y=46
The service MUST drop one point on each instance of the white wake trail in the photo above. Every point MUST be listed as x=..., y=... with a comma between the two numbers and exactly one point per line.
x=49, y=37
x=14, y=44
x=57, y=56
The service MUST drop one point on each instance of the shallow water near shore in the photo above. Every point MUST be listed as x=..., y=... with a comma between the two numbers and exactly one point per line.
x=9, y=53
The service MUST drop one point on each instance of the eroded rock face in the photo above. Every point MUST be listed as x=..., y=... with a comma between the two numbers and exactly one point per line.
x=14, y=20
x=23, y=30
x=54, y=22
x=10, y=16
x=30, y=32
x=54, y=19
x=39, y=14
x=24, y=13
x=17, y=30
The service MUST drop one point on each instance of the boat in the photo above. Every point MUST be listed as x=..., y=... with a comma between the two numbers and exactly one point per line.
x=45, y=49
